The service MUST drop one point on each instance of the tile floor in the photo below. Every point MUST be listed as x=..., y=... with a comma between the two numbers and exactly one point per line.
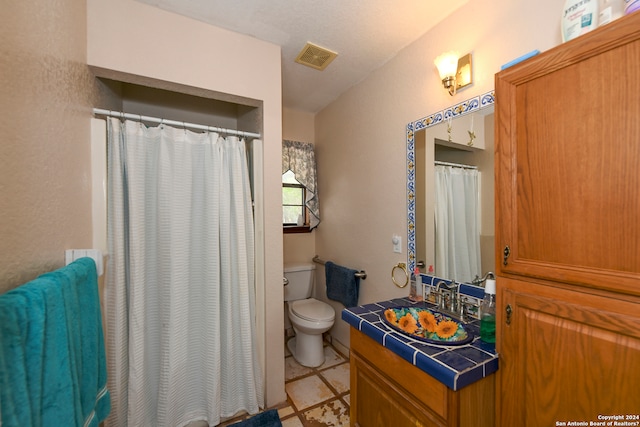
x=317, y=397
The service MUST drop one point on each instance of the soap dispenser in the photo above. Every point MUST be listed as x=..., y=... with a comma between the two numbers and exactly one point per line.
x=488, y=312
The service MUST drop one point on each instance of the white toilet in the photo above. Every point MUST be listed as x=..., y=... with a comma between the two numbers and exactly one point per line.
x=309, y=317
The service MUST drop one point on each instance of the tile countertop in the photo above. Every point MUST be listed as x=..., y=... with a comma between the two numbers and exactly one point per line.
x=454, y=366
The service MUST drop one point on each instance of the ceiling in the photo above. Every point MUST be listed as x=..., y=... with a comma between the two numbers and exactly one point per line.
x=365, y=34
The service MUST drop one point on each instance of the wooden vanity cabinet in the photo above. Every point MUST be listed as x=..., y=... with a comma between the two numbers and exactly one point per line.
x=386, y=390
x=568, y=230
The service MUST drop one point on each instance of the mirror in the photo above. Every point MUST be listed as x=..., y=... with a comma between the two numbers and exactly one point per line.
x=460, y=135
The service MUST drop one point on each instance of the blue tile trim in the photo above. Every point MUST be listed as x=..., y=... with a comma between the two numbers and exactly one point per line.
x=443, y=373
x=371, y=317
x=370, y=330
x=474, y=291
x=455, y=361
x=454, y=366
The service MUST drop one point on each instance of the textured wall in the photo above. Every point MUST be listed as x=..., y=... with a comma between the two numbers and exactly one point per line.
x=361, y=142
x=45, y=175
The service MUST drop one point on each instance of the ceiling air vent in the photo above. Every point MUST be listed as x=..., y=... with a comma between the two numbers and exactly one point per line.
x=315, y=56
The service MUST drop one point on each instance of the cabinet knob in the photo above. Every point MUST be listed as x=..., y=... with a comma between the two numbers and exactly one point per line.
x=509, y=311
x=507, y=252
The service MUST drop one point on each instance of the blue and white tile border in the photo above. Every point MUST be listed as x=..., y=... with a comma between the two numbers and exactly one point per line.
x=458, y=110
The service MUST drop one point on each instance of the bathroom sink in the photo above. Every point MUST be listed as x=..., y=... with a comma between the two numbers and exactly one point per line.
x=426, y=325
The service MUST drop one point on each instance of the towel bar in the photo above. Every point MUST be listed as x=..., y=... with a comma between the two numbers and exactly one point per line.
x=361, y=274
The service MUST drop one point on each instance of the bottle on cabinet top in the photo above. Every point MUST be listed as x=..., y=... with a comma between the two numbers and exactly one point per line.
x=488, y=312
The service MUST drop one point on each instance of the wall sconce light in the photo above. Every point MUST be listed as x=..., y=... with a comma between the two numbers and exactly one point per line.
x=454, y=71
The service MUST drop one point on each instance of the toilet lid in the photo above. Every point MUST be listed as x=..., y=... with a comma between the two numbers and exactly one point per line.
x=313, y=310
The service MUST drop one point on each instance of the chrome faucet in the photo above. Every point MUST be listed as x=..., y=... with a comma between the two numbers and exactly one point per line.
x=462, y=308
x=450, y=300
x=447, y=296
x=439, y=297
x=478, y=281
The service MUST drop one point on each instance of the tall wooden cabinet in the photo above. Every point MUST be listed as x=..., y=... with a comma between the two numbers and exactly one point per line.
x=568, y=231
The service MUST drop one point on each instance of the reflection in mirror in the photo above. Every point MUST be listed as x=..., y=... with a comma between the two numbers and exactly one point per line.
x=460, y=135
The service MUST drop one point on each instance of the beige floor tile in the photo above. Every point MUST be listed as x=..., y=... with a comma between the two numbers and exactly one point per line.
x=347, y=398
x=307, y=392
x=286, y=411
x=331, y=358
x=340, y=348
x=330, y=414
x=292, y=422
x=338, y=377
x=292, y=369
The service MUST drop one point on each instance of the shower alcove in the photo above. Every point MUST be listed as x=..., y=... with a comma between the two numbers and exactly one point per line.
x=158, y=99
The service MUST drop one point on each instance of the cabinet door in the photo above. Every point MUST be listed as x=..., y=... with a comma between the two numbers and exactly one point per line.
x=565, y=356
x=568, y=162
x=380, y=402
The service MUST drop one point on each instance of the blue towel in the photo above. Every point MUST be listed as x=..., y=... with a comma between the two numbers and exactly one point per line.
x=269, y=418
x=52, y=359
x=342, y=284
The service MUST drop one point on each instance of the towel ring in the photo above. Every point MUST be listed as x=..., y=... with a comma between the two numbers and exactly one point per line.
x=403, y=267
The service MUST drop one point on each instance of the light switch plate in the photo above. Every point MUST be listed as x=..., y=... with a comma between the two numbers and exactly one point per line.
x=397, y=243
x=73, y=254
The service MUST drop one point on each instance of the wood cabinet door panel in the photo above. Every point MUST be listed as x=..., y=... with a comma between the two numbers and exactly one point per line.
x=567, y=159
x=426, y=389
x=566, y=356
x=379, y=402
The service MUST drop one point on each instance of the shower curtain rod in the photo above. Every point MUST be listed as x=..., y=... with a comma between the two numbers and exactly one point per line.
x=455, y=165
x=110, y=113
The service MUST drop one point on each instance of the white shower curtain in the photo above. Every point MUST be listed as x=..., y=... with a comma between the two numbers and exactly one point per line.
x=457, y=223
x=180, y=278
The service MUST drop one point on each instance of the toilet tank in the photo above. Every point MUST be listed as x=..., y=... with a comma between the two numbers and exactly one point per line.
x=300, y=277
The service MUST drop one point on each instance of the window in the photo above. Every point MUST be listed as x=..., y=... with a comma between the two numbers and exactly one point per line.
x=295, y=215
x=299, y=187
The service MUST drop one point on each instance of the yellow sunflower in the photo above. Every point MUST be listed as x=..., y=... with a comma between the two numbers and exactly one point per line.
x=390, y=315
x=408, y=323
x=446, y=328
x=428, y=321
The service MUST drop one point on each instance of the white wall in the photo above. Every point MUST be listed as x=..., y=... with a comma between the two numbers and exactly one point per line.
x=125, y=36
x=360, y=138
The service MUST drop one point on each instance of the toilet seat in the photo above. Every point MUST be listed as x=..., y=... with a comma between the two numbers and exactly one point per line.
x=313, y=310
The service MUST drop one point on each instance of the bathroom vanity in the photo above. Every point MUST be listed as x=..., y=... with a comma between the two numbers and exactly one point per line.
x=398, y=381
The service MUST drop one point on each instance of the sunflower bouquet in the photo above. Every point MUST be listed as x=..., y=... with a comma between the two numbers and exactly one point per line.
x=424, y=323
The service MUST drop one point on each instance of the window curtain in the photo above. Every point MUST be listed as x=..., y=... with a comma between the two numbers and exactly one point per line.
x=457, y=223
x=300, y=158
x=180, y=297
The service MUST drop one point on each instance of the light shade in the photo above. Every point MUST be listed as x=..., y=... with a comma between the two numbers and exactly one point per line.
x=454, y=71
x=447, y=64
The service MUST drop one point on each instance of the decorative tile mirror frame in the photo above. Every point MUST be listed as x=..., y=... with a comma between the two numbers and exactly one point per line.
x=469, y=106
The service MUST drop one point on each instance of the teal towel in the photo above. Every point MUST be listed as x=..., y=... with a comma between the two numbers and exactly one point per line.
x=52, y=358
